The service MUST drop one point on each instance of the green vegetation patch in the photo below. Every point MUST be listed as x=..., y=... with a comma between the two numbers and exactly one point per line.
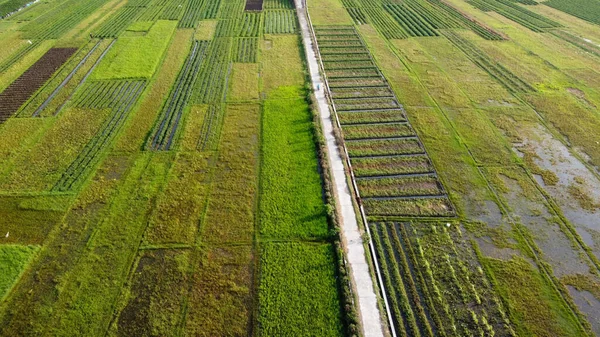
x=533, y=305
x=13, y=261
x=588, y=10
x=298, y=291
x=291, y=203
x=140, y=26
x=138, y=56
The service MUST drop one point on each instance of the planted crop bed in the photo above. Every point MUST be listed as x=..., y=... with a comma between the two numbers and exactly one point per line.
x=496, y=70
x=13, y=97
x=383, y=147
x=411, y=185
x=279, y=4
x=517, y=13
x=395, y=175
x=192, y=14
x=370, y=117
x=212, y=82
x=393, y=165
x=386, y=130
x=250, y=25
x=170, y=117
x=117, y=23
x=246, y=50
x=583, y=9
x=453, y=298
x=119, y=97
x=280, y=22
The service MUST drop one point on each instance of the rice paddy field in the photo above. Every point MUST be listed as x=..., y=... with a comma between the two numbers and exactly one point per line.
x=163, y=171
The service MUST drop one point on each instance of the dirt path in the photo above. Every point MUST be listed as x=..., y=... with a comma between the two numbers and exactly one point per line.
x=355, y=253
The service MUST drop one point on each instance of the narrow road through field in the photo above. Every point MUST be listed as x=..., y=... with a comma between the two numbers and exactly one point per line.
x=355, y=252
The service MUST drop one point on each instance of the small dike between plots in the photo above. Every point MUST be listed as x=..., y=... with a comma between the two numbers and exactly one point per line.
x=394, y=174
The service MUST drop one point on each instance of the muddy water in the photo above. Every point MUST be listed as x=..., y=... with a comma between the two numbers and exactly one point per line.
x=588, y=305
x=535, y=215
x=555, y=157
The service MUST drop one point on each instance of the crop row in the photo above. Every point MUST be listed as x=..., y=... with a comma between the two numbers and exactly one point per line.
x=408, y=301
x=211, y=127
x=384, y=23
x=435, y=283
x=412, y=23
x=245, y=50
x=231, y=10
x=496, y=70
x=366, y=117
x=517, y=13
x=173, y=10
x=19, y=91
x=280, y=22
x=583, y=9
x=117, y=23
x=68, y=75
x=250, y=25
x=461, y=294
x=60, y=19
x=119, y=96
x=151, y=13
x=138, y=3
x=210, y=9
x=192, y=14
x=164, y=131
x=279, y=4
x=212, y=81
x=357, y=15
x=589, y=47
x=454, y=14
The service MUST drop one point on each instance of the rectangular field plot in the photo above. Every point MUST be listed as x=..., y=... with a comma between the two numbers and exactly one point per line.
x=159, y=278
x=367, y=117
x=361, y=104
x=377, y=131
x=382, y=166
x=250, y=25
x=14, y=259
x=383, y=147
x=245, y=50
x=374, y=82
x=362, y=92
x=288, y=304
x=409, y=207
x=137, y=56
x=18, y=92
x=415, y=185
x=453, y=298
x=280, y=22
x=116, y=96
x=395, y=175
x=279, y=4
x=350, y=73
x=344, y=65
x=171, y=113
